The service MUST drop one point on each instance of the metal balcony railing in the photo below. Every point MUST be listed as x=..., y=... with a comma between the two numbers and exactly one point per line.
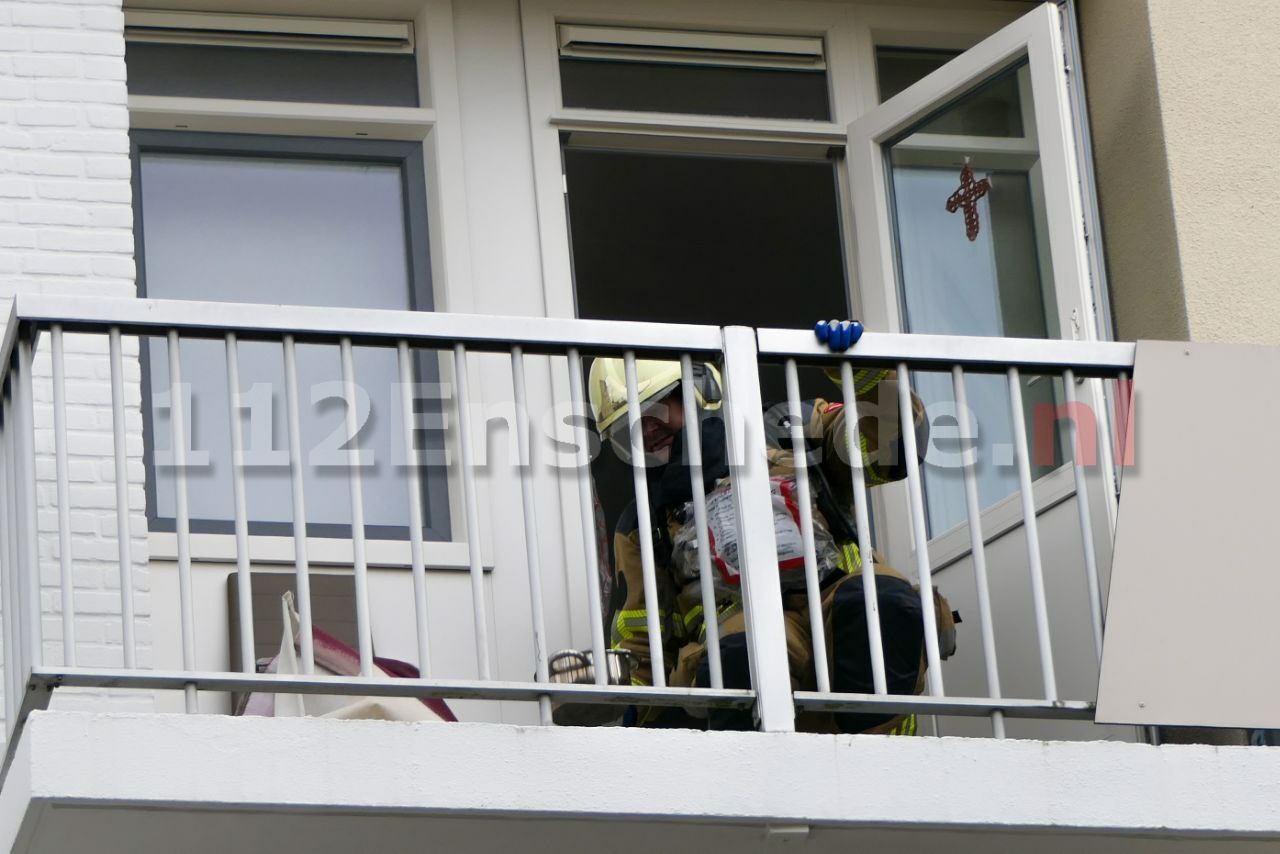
x=39, y=612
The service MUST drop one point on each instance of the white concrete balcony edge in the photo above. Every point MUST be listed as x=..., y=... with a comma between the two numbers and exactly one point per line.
x=210, y=763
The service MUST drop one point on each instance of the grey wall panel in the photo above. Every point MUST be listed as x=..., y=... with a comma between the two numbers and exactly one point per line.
x=1192, y=619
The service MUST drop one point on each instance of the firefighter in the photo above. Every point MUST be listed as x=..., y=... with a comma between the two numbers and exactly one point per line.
x=662, y=422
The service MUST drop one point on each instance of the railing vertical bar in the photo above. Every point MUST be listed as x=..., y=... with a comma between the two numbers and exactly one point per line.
x=644, y=523
x=587, y=515
x=1086, y=519
x=978, y=548
x=472, y=508
x=302, y=567
x=15, y=634
x=1107, y=424
x=532, y=559
x=1032, y=533
x=800, y=465
x=693, y=443
x=244, y=589
x=182, y=516
x=862, y=521
x=8, y=601
x=360, y=563
x=28, y=531
x=919, y=531
x=413, y=480
x=66, y=577
x=124, y=528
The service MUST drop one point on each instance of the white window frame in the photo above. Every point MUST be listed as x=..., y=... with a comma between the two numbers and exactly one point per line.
x=436, y=124
x=851, y=34
x=548, y=117
x=1037, y=35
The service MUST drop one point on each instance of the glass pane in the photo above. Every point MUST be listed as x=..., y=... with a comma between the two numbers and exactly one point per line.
x=291, y=231
x=899, y=67
x=268, y=74
x=972, y=260
x=766, y=93
x=992, y=110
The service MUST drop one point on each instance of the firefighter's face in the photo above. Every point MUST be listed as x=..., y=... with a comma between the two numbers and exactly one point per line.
x=661, y=423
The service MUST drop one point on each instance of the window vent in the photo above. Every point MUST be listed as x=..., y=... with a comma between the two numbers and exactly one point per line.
x=688, y=47
x=265, y=31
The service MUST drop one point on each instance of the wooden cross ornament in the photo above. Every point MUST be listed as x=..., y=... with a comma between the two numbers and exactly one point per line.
x=967, y=197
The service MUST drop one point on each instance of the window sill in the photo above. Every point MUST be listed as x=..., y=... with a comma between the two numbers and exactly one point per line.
x=622, y=121
x=383, y=554
x=223, y=115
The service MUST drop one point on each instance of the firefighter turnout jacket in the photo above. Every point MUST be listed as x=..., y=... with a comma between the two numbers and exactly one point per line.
x=681, y=614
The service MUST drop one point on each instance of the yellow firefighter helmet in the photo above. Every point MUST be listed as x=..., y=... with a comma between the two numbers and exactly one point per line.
x=655, y=380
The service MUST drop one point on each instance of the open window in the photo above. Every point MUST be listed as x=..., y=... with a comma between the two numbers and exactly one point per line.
x=668, y=225
x=967, y=212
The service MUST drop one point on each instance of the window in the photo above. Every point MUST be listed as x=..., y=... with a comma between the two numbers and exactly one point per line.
x=673, y=227
x=739, y=190
x=286, y=220
x=258, y=57
x=668, y=227
x=271, y=74
x=703, y=238
x=990, y=283
x=612, y=68
x=1007, y=261
x=899, y=67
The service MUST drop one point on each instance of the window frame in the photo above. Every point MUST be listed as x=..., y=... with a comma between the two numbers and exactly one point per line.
x=549, y=117
x=436, y=127
x=851, y=35
x=1034, y=38
x=405, y=156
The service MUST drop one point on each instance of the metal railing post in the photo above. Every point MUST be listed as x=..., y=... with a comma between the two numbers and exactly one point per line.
x=757, y=546
x=28, y=543
x=8, y=598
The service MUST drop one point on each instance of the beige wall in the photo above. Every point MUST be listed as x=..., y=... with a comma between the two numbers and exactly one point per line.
x=1185, y=104
x=1132, y=174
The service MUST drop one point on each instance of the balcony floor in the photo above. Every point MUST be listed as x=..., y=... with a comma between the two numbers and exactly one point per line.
x=142, y=783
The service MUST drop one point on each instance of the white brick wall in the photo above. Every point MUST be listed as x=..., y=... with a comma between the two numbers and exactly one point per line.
x=66, y=227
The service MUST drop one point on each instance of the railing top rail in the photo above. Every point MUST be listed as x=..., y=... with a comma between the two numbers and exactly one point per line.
x=978, y=354
x=364, y=326
x=547, y=334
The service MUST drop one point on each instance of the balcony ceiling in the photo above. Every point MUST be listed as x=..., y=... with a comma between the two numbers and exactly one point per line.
x=143, y=831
